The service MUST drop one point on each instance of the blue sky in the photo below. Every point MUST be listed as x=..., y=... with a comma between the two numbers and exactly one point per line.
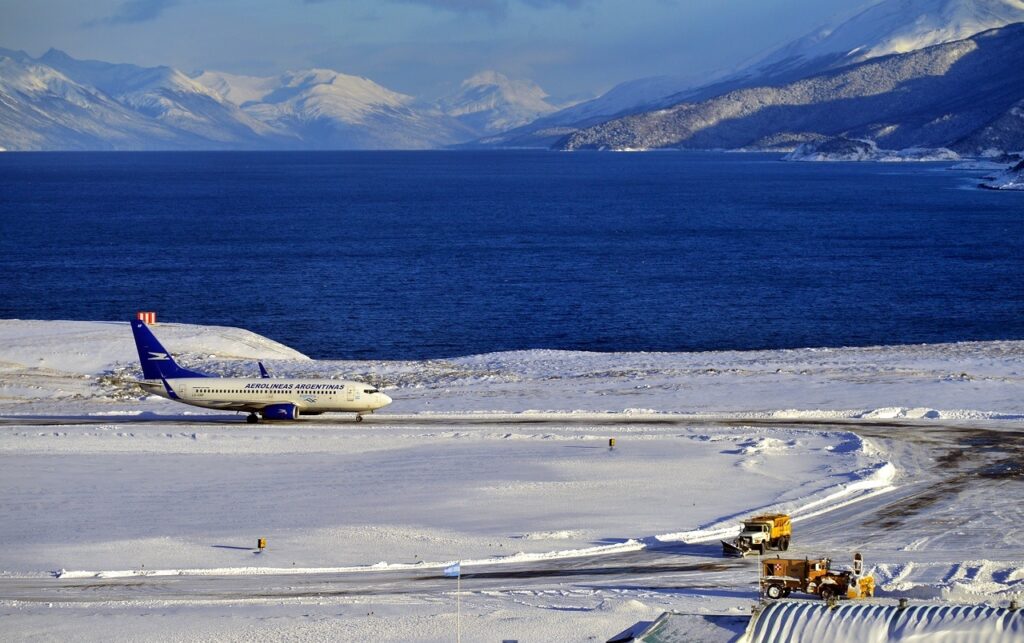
x=421, y=47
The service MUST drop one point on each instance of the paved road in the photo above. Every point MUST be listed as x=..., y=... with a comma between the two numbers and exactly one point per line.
x=635, y=569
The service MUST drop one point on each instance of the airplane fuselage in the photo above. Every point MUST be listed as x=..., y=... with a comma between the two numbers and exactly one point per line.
x=309, y=396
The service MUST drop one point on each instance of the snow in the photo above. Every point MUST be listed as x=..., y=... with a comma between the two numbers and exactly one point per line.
x=991, y=160
x=866, y=482
x=491, y=102
x=299, y=99
x=900, y=26
x=499, y=461
x=91, y=348
x=629, y=96
x=237, y=88
x=520, y=557
x=867, y=150
x=1010, y=179
x=354, y=111
x=540, y=477
x=882, y=28
x=64, y=103
x=121, y=80
x=959, y=581
x=17, y=76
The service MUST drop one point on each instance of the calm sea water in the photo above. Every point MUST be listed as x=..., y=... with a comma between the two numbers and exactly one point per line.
x=434, y=254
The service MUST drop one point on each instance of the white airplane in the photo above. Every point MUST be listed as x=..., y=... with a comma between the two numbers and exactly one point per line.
x=273, y=398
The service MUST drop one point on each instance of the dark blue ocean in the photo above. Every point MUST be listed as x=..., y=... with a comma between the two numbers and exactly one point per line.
x=434, y=254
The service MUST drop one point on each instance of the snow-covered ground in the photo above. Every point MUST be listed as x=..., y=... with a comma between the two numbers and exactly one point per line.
x=148, y=511
x=843, y=149
x=1010, y=179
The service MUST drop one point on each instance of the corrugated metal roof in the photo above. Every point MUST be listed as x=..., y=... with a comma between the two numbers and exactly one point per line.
x=793, y=621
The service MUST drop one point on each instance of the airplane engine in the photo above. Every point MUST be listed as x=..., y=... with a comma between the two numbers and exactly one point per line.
x=281, y=412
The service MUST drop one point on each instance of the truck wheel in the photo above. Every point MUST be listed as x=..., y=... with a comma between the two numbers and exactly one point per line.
x=827, y=593
x=774, y=591
x=786, y=592
x=760, y=549
x=785, y=543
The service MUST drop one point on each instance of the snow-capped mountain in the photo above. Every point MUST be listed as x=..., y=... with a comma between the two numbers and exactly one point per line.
x=886, y=27
x=236, y=88
x=490, y=102
x=59, y=102
x=326, y=109
x=163, y=94
x=624, y=98
x=896, y=27
x=898, y=71
x=964, y=95
x=627, y=96
x=42, y=108
x=309, y=93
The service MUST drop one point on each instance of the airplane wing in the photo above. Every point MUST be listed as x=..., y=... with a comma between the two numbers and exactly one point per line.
x=247, y=406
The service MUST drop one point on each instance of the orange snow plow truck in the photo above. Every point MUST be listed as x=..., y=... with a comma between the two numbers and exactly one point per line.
x=760, y=533
x=781, y=576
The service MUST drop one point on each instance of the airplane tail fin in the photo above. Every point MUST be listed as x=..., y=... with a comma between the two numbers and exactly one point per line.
x=157, y=363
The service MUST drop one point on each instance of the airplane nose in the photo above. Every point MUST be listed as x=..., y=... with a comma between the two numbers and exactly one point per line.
x=384, y=399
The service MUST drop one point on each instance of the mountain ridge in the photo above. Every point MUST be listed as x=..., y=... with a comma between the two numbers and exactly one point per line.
x=490, y=102
x=58, y=102
x=901, y=100
x=883, y=28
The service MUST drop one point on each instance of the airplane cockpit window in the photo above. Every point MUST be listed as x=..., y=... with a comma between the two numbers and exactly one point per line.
x=370, y=390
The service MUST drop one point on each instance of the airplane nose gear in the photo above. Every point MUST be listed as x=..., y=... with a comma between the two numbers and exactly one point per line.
x=359, y=418
x=252, y=419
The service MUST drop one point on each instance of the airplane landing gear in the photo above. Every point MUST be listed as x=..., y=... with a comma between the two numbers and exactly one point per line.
x=359, y=418
x=252, y=419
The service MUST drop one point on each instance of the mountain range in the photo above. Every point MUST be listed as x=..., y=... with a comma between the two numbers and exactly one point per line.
x=56, y=102
x=900, y=72
x=966, y=95
x=886, y=28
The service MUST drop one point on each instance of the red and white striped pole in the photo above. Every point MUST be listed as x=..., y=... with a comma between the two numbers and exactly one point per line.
x=146, y=317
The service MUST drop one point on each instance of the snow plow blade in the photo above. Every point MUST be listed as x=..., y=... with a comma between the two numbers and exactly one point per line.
x=730, y=549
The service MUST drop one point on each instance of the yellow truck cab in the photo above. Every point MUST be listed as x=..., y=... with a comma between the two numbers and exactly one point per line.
x=759, y=534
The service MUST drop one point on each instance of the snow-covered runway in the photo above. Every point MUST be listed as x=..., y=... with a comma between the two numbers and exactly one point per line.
x=398, y=493
x=150, y=512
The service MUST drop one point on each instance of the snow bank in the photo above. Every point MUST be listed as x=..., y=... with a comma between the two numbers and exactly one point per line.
x=966, y=581
x=865, y=483
x=89, y=348
x=564, y=534
x=899, y=412
x=520, y=557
